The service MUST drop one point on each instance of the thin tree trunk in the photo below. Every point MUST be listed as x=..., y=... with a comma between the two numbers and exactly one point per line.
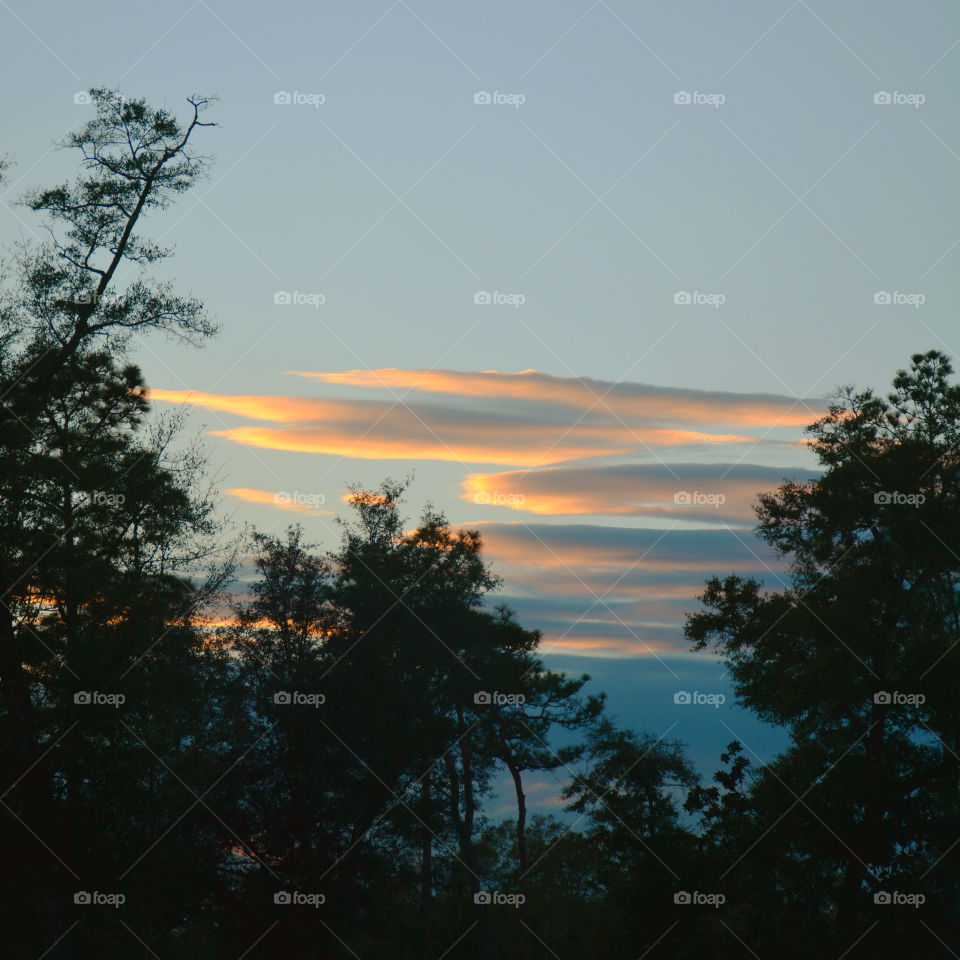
x=522, y=858
x=468, y=851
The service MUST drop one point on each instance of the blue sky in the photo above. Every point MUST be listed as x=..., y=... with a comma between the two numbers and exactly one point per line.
x=691, y=221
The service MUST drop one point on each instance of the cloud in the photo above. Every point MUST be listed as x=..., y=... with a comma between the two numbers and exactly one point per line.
x=378, y=429
x=283, y=499
x=612, y=591
x=711, y=493
x=625, y=400
x=254, y=406
x=594, y=449
x=584, y=546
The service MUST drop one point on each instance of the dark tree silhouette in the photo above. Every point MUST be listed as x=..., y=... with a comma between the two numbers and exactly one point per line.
x=858, y=658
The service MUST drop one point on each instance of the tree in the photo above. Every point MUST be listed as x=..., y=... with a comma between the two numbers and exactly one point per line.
x=520, y=723
x=135, y=159
x=104, y=533
x=631, y=794
x=858, y=658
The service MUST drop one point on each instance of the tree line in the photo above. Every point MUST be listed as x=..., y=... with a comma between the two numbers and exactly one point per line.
x=315, y=777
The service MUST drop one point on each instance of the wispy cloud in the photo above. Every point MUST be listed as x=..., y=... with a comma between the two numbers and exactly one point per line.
x=523, y=420
x=626, y=400
x=703, y=493
x=568, y=447
x=282, y=500
x=613, y=591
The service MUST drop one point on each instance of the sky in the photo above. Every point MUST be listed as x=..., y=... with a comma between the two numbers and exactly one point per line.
x=583, y=270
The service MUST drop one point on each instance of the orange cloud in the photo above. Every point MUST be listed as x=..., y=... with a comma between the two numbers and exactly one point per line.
x=713, y=493
x=601, y=646
x=509, y=444
x=285, y=500
x=277, y=409
x=521, y=422
x=627, y=400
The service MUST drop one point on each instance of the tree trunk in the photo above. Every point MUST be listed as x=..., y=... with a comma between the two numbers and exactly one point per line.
x=468, y=851
x=522, y=858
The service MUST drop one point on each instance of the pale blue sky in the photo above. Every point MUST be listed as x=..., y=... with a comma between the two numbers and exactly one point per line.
x=598, y=199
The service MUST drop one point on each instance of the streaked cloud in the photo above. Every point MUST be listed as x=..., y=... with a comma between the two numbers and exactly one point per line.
x=619, y=399
x=253, y=406
x=613, y=591
x=581, y=546
x=282, y=499
x=379, y=429
x=710, y=493
x=548, y=447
